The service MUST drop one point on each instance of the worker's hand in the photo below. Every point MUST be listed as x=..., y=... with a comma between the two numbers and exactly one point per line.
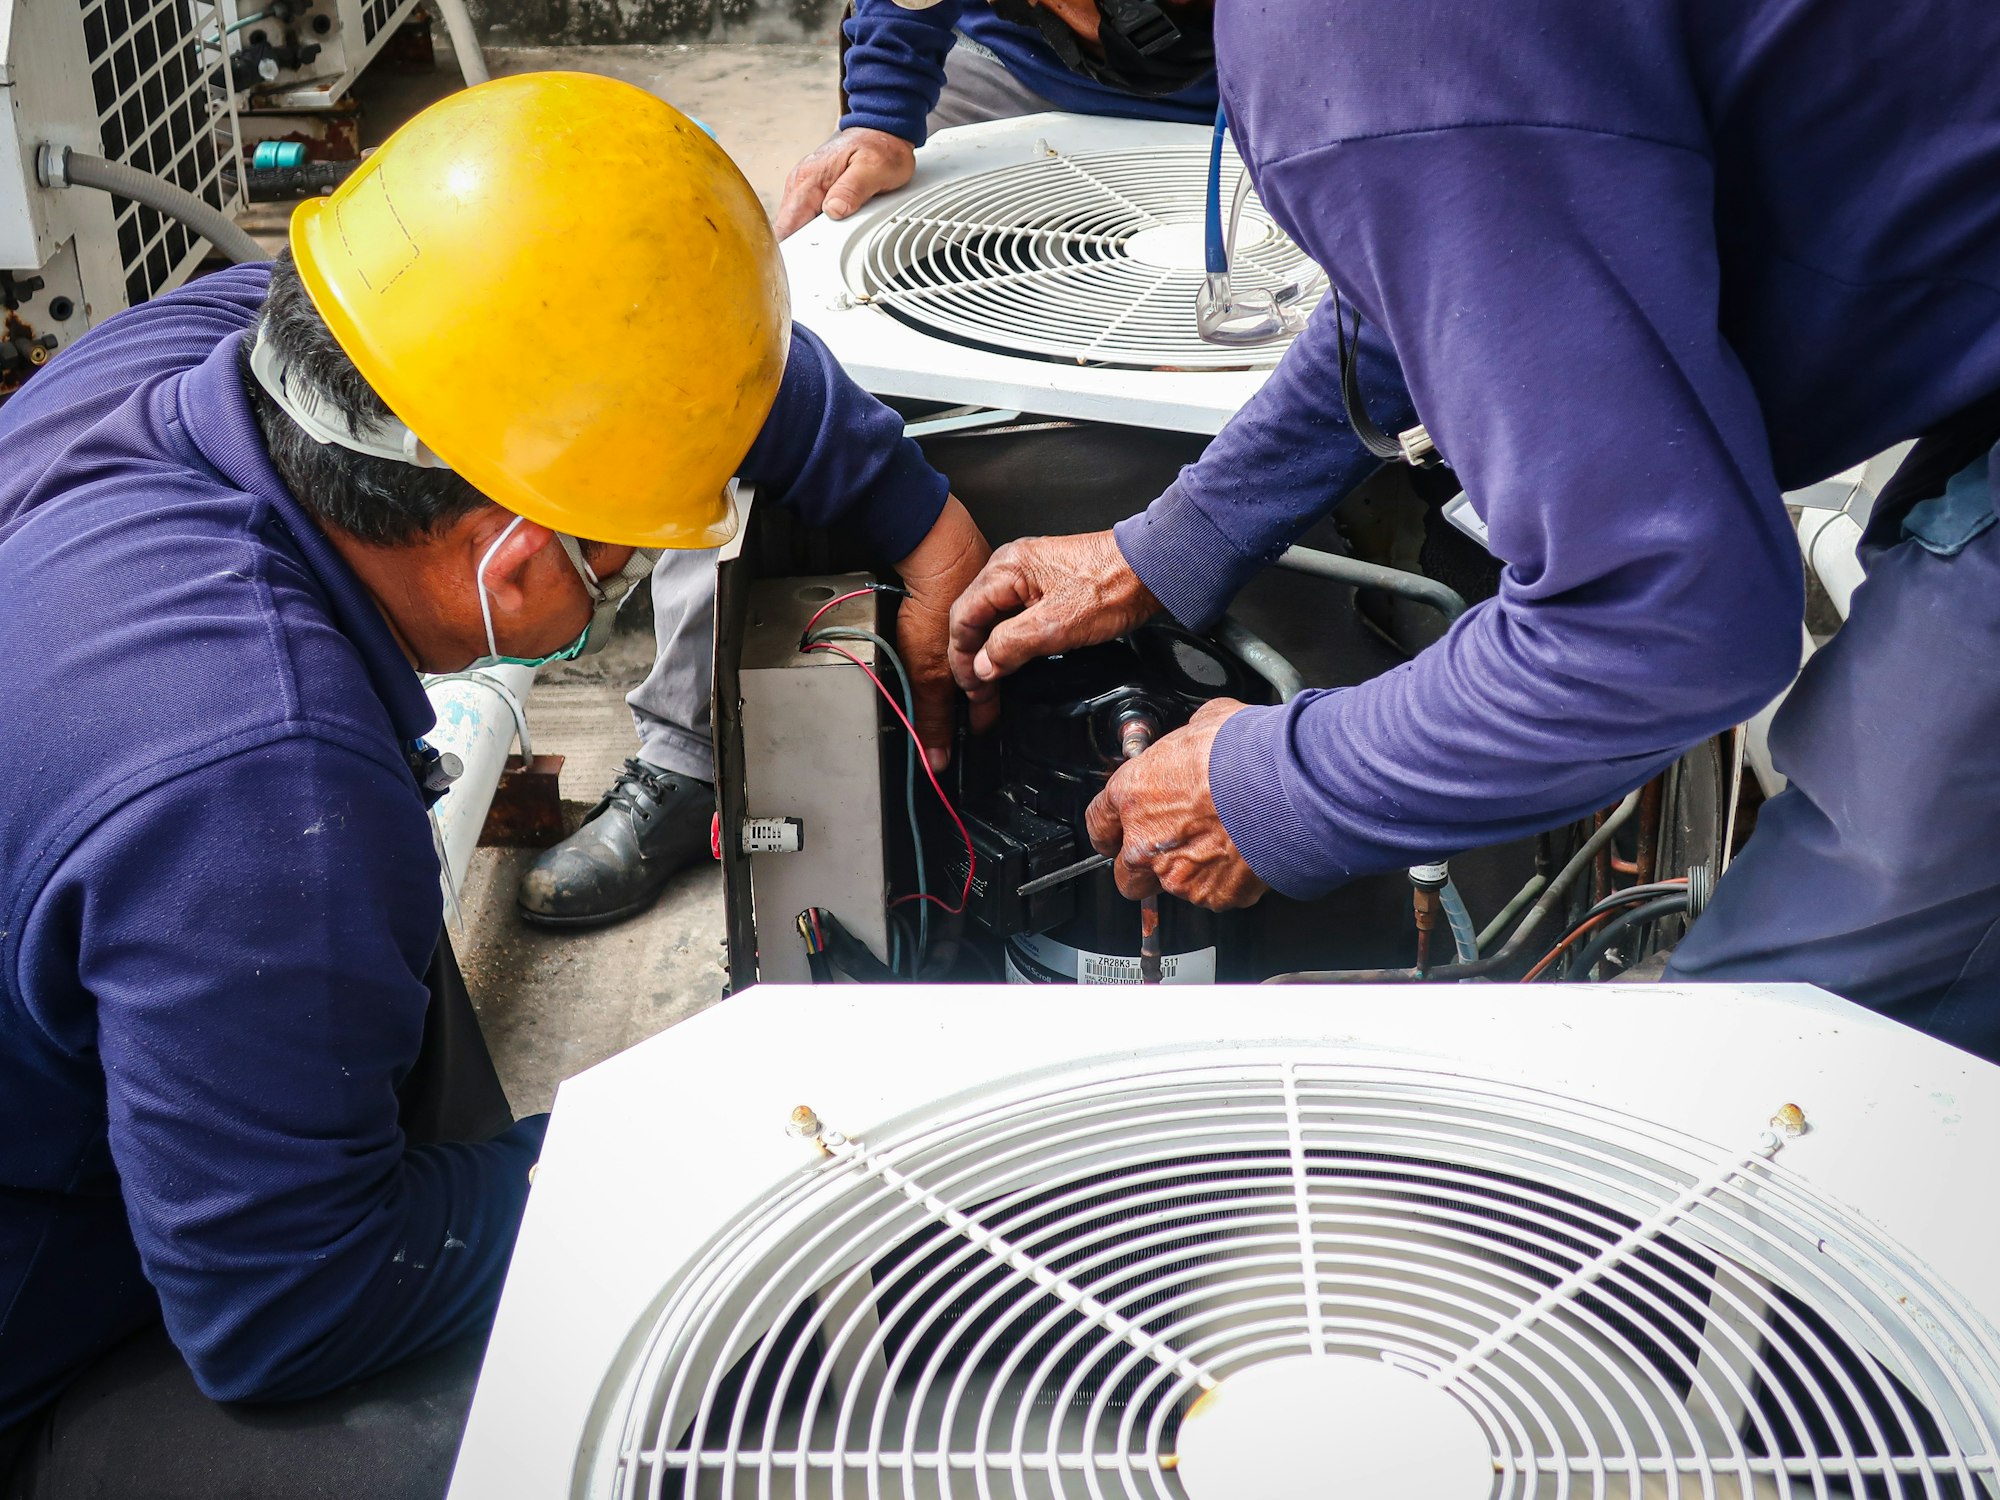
x=1038, y=596
x=844, y=174
x=937, y=572
x=1157, y=816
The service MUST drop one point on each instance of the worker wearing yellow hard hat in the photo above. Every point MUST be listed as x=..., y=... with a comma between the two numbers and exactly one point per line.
x=526, y=346
x=569, y=292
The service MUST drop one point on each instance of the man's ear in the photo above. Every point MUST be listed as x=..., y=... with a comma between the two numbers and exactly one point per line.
x=512, y=553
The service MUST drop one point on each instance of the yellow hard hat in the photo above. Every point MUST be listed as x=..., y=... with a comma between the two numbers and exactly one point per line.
x=570, y=294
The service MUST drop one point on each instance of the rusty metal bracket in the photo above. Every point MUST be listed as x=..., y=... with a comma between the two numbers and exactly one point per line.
x=527, y=805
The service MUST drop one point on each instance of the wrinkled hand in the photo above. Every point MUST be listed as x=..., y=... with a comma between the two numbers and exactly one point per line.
x=1039, y=596
x=1157, y=816
x=844, y=174
x=935, y=573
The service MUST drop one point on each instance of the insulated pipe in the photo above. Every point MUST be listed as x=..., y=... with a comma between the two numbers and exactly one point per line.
x=480, y=714
x=1261, y=657
x=1447, y=602
x=1465, y=942
x=60, y=167
x=465, y=42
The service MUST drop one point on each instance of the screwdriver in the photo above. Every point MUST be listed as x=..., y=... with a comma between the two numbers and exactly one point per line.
x=1063, y=876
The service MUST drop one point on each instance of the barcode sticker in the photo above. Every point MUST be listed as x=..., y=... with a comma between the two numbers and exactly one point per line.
x=1107, y=968
x=1060, y=961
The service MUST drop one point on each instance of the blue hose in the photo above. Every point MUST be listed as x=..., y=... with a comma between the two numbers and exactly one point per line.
x=1216, y=253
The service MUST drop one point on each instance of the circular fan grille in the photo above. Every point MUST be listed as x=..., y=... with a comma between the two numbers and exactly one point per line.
x=1023, y=1300
x=1094, y=258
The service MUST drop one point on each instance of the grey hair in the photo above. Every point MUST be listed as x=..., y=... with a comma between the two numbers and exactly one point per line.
x=374, y=500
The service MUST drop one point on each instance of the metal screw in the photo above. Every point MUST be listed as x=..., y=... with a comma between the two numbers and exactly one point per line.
x=805, y=1124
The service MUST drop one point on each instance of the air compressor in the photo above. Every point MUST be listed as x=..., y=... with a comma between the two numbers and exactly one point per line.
x=1066, y=724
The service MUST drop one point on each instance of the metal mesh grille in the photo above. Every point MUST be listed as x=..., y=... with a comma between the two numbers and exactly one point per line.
x=376, y=16
x=156, y=72
x=1625, y=1312
x=1057, y=258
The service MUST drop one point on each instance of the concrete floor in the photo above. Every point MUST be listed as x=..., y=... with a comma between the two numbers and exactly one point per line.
x=553, y=1004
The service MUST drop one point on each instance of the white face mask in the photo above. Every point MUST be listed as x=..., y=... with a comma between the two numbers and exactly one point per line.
x=605, y=596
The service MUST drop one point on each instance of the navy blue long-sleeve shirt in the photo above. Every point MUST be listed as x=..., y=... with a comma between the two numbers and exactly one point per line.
x=1643, y=264
x=218, y=896
x=895, y=69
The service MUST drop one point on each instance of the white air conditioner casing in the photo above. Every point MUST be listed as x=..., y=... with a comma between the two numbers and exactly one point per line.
x=349, y=33
x=1583, y=1227
x=1046, y=264
x=131, y=81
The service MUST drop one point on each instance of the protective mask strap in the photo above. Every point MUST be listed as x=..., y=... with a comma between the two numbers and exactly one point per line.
x=605, y=594
x=479, y=583
x=319, y=420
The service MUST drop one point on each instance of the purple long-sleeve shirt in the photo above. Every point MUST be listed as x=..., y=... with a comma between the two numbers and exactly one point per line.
x=894, y=69
x=1643, y=263
x=218, y=896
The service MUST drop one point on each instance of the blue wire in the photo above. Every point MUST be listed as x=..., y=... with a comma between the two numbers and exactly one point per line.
x=1217, y=254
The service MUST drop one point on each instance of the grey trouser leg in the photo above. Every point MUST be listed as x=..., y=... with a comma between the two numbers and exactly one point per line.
x=978, y=87
x=671, y=707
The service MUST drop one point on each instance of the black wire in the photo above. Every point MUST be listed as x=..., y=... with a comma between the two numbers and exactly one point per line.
x=1632, y=894
x=1372, y=437
x=1617, y=927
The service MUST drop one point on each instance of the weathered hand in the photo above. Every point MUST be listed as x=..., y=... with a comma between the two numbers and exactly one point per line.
x=844, y=174
x=1042, y=595
x=1157, y=816
x=935, y=573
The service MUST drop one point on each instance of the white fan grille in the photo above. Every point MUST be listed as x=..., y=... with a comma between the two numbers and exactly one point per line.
x=1626, y=1312
x=1093, y=258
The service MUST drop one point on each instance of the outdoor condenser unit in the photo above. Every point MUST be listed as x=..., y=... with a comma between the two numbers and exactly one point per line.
x=1047, y=264
x=305, y=55
x=1030, y=301
x=1249, y=1245
x=138, y=82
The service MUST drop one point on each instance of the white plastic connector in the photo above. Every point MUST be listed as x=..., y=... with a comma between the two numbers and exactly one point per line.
x=1419, y=452
x=773, y=835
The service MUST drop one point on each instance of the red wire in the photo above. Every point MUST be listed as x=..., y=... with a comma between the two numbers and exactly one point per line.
x=842, y=599
x=1591, y=926
x=971, y=857
x=1564, y=946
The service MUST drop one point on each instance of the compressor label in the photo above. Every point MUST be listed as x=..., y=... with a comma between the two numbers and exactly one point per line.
x=1038, y=960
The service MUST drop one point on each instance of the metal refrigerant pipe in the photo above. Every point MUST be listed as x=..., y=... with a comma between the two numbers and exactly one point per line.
x=1261, y=657
x=1367, y=575
x=1516, y=945
x=465, y=42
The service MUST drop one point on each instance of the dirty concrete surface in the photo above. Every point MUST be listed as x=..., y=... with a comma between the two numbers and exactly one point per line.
x=554, y=1003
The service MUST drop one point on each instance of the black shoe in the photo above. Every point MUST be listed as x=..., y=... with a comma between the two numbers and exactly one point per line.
x=650, y=824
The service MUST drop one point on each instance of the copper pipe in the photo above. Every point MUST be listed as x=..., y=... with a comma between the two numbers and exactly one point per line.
x=1652, y=814
x=1426, y=904
x=1135, y=733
